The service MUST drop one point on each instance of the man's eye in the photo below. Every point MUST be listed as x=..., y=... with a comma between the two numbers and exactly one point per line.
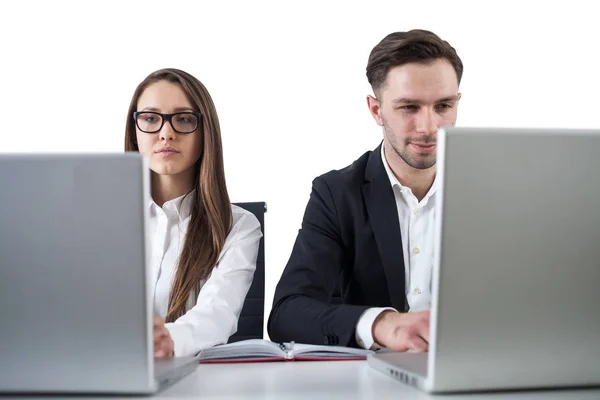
x=409, y=108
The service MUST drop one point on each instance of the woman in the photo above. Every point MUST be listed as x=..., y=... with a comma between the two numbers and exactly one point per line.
x=203, y=249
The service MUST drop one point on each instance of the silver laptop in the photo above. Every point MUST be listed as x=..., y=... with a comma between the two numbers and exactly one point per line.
x=516, y=280
x=75, y=292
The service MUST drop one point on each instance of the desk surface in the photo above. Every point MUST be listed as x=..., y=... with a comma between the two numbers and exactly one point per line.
x=320, y=380
x=343, y=380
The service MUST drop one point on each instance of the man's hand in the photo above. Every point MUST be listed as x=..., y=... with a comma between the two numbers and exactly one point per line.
x=163, y=344
x=402, y=331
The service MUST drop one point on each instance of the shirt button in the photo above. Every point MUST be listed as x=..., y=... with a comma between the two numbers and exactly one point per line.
x=416, y=250
x=416, y=211
x=417, y=291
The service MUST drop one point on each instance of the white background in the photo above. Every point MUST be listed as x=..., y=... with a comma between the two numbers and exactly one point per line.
x=288, y=79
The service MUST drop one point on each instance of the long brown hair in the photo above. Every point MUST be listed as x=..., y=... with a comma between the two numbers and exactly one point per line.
x=211, y=217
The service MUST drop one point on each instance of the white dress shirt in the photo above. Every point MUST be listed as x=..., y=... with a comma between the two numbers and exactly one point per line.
x=212, y=316
x=417, y=220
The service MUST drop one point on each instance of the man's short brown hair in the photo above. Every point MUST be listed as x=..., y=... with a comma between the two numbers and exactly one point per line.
x=414, y=46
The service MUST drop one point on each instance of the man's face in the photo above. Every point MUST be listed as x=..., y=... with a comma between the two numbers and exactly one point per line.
x=413, y=103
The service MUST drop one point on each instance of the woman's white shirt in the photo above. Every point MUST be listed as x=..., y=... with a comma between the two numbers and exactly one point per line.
x=212, y=316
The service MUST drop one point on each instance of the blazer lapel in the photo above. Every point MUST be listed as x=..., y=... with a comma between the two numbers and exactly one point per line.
x=383, y=214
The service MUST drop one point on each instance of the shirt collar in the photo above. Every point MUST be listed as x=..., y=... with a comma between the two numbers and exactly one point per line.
x=182, y=205
x=395, y=182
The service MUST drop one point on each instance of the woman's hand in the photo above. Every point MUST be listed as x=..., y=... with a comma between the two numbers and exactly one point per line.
x=163, y=344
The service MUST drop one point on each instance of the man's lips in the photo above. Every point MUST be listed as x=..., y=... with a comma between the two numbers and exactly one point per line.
x=424, y=147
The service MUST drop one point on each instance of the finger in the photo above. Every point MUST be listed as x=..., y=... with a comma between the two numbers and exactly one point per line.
x=159, y=349
x=411, y=329
x=423, y=330
x=158, y=321
x=170, y=348
x=418, y=316
x=417, y=344
x=427, y=315
x=167, y=345
x=164, y=348
x=160, y=333
x=402, y=339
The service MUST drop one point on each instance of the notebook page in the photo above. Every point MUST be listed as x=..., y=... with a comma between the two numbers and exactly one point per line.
x=312, y=350
x=250, y=348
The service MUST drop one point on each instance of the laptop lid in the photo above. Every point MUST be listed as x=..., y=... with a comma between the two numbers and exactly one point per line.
x=518, y=262
x=74, y=290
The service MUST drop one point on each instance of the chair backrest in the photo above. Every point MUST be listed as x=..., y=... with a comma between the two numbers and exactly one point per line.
x=251, y=322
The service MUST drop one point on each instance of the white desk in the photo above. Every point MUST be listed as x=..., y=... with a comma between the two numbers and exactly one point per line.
x=319, y=380
x=343, y=380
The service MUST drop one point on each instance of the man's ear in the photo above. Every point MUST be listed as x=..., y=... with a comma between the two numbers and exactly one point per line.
x=375, y=109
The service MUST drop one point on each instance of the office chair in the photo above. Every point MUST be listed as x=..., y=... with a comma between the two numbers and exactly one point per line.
x=251, y=321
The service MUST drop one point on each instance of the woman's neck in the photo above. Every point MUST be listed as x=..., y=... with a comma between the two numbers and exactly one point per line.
x=169, y=187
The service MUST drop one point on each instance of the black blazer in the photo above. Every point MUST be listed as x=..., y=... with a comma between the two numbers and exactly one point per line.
x=349, y=246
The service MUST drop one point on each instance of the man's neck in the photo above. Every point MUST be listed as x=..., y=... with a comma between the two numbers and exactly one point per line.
x=169, y=187
x=418, y=180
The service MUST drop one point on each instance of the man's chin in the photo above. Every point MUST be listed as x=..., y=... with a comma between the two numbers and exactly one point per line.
x=423, y=165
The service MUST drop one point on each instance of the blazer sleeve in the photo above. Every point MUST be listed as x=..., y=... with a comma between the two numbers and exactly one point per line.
x=301, y=306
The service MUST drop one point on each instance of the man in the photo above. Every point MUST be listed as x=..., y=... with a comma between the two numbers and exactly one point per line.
x=360, y=270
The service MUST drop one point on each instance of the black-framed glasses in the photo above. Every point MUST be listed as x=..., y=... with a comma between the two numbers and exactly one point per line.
x=152, y=122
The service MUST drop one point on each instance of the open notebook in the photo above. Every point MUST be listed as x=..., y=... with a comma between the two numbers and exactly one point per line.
x=256, y=350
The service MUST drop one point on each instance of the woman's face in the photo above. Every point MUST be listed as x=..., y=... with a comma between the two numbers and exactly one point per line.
x=169, y=152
